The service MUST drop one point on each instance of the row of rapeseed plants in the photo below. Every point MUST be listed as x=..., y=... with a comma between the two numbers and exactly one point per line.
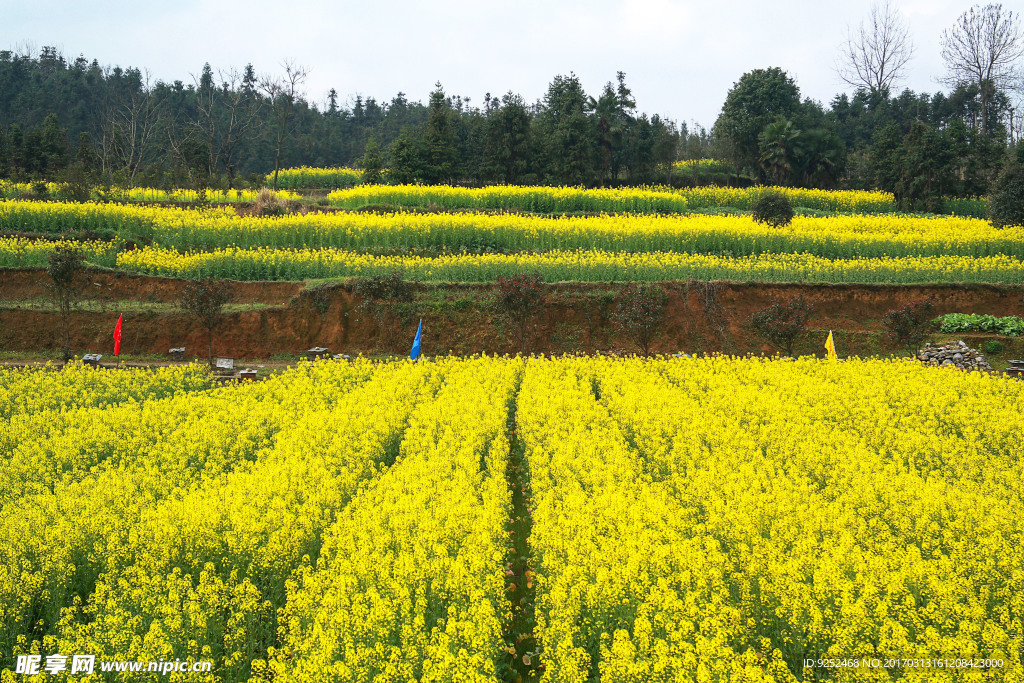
x=348, y=522
x=555, y=265
x=692, y=525
x=11, y=190
x=830, y=236
x=574, y=266
x=504, y=197
x=631, y=199
x=477, y=248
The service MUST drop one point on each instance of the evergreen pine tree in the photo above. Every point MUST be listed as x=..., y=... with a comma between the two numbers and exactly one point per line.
x=441, y=163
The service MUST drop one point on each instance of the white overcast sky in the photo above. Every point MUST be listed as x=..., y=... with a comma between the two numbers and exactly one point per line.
x=680, y=56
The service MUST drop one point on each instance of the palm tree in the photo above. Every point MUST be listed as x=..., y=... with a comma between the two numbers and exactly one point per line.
x=818, y=153
x=778, y=148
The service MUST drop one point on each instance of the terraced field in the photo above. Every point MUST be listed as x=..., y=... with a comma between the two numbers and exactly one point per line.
x=478, y=235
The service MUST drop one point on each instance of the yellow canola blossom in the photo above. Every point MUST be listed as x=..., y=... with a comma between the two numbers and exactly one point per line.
x=307, y=177
x=22, y=252
x=210, y=564
x=627, y=589
x=102, y=473
x=41, y=410
x=513, y=197
x=726, y=519
x=149, y=194
x=12, y=190
x=692, y=520
x=33, y=390
x=830, y=237
x=122, y=219
x=409, y=585
x=629, y=199
x=644, y=199
x=702, y=164
x=840, y=201
x=563, y=266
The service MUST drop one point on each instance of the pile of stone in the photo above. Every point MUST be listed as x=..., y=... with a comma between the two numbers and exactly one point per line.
x=956, y=354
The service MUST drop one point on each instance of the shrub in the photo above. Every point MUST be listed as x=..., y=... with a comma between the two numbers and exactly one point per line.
x=40, y=190
x=773, y=208
x=935, y=205
x=203, y=196
x=269, y=204
x=372, y=163
x=908, y=327
x=64, y=266
x=1006, y=205
x=204, y=300
x=640, y=313
x=993, y=347
x=520, y=298
x=387, y=287
x=381, y=295
x=76, y=186
x=319, y=297
x=783, y=323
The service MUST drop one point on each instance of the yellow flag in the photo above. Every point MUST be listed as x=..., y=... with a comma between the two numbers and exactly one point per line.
x=830, y=346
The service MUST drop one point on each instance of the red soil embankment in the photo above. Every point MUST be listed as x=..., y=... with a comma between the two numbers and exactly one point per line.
x=30, y=283
x=459, y=318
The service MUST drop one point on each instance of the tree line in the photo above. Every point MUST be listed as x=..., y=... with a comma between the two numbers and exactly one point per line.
x=62, y=119
x=117, y=126
x=919, y=146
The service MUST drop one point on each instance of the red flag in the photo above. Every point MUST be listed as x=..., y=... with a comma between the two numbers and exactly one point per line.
x=117, y=335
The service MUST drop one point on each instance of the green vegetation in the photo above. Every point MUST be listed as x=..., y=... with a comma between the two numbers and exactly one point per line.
x=1006, y=208
x=907, y=327
x=783, y=323
x=773, y=209
x=640, y=313
x=1010, y=326
x=232, y=127
x=204, y=300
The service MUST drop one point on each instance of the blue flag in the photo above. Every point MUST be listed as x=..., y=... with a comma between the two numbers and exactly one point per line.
x=415, y=353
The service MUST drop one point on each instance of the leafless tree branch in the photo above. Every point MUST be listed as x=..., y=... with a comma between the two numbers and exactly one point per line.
x=875, y=56
x=984, y=48
x=985, y=44
x=282, y=91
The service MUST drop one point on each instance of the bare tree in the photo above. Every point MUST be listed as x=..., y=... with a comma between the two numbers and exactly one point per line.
x=875, y=56
x=129, y=126
x=241, y=116
x=984, y=48
x=207, y=120
x=282, y=91
x=184, y=143
x=225, y=115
